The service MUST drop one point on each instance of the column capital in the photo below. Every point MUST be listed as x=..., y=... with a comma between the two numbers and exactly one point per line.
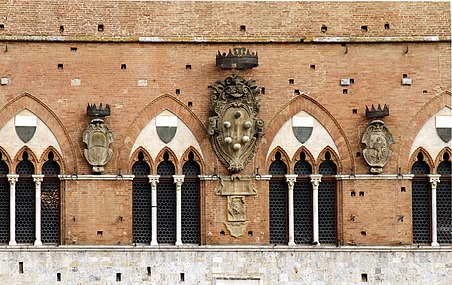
x=178, y=179
x=12, y=178
x=154, y=179
x=291, y=179
x=37, y=177
x=434, y=179
x=316, y=179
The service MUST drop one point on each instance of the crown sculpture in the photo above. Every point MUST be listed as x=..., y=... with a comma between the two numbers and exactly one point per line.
x=238, y=58
x=98, y=138
x=377, y=139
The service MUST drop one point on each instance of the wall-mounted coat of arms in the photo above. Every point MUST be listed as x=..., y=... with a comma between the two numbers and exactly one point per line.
x=98, y=138
x=378, y=140
x=234, y=130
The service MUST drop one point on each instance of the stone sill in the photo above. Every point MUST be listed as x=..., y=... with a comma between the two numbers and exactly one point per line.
x=214, y=248
x=326, y=39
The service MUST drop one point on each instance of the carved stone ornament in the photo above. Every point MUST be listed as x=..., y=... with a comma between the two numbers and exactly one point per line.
x=97, y=138
x=237, y=229
x=236, y=185
x=378, y=139
x=234, y=130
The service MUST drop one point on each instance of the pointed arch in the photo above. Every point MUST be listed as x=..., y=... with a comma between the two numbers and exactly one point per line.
x=284, y=158
x=31, y=157
x=320, y=113
x=309, y=157
x=443, y=99
x=334, y=158
x=146, y=157
x=171, y=157
x=150, y=111
x=45, y=114
x=197, y=158
x=427, y=158
x=6, y=159
x=57, y=158
x=440, y=157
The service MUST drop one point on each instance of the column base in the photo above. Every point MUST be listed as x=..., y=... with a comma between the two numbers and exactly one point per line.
x=38, y=242
x=291, y=243
x=154, y=243
x=179, y=243
x=12, y=242
x=435, y=244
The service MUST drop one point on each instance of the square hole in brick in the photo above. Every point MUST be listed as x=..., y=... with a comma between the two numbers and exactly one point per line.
x=222, y=233
x=182, y=277
x=405, y=75
x=344, y=91
x=21, y=267
x=2, y=27
x=424, y=91
x=188, y=66
x=354, y=111
x=177, y=91
x=386, y=26
x=363, y=277
x=263, y=90
x=242, y=28
x=364, y=28
x=73, y=49
x=352, y=80
x=312, y=66
x=123, y=66
x=61, y=29
x=361, y=193
x=100, y=233
x=402, y=189
x=363, y=233
x=297, y=92
x=60, y=66
x=148, y=271
x=58, y=277
x=250, y=233
x=291, y=81
x=358, y=154
x=324, y=29
x=100, y=28
x=190, y=104
x=118, y=277
x=353, y=193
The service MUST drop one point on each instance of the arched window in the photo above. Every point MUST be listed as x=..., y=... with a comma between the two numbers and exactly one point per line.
x=278, y=201
x=302, y=200
x=50, y=201
x=444, y=201
x=25, y=201
x=190, y=201
x=166, y=202
x=421, y=209
x=141, y=201
x=327, y=200
x=4, y=202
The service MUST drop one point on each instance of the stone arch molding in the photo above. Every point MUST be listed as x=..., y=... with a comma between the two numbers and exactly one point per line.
x=50, y=132
x=149, y=140
x=319, y=139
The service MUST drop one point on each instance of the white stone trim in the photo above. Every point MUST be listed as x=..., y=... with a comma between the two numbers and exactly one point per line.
x=37, y=179
x=154, y=180
x=95, y=177
x=434, y=180
x=400, y=176
x=291, y=179
x=12, y=179
x=178, y=180
x=315, y=180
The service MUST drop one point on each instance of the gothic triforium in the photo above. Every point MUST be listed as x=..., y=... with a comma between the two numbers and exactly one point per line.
x=234, y=130
x=98, y=138
x=378, y=140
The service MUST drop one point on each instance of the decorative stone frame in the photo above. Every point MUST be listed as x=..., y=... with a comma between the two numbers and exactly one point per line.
x=439, y=158
x=309, y=158
x=284, y=157
x=172, y=158
x=427, y=159
x=321, y=158
x=31, y=157
x=45, y=157
x=146, y=157
x=6, y=158
x=197, y=158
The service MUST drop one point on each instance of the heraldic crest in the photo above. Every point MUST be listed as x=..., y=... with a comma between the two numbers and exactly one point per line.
x=234, y=130
x=378, y=140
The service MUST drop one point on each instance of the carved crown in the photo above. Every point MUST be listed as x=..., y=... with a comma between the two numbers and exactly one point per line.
x=100, y=111
x=239, y=58
x=377, y=113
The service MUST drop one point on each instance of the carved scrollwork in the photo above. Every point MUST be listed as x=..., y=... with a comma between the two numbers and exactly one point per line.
x=378, y=140
x=234, y=129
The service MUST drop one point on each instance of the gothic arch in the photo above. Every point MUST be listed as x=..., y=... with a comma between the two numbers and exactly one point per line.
x=284, y=158
x=45, y=114
x=172, y=158
x=440, y=157
x=427, y=158
x=197, y=158
x=334, y=158
x=6, y=158
x=31, y=157
x=134, y=158
x=438, y=102
x=150, y=111
x=309, y=157
x=320, y=113
x=44, y=158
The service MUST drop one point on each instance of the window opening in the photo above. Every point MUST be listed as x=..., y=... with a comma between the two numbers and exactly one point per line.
x=166, y=201
x=278, y=201
x=190, y=201
x=141, y=201
x=327, y=201
x=4, y=203
x=50, y=201
x=421, y=208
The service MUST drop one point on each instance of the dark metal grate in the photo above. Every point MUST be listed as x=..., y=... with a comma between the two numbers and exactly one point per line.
x=141, y=212
x=444, y=210
x=141, y=168
x=190, y=212
x=4, y=169
x=444, y=168
x=166, y=212
x=4, y=210
x=166, y=168
x=191, y=168
x=50, y=167
x=25, y=210
x=302, y=200
x=302, y=167
x=327, y=212
x=420, y=166
x=50, y=210
x=421, y=211
x=278, y=212
x=278, y=167
x=328, y=167
x=25, y=167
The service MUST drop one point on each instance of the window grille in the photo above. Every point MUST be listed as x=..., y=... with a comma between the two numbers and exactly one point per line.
x=421, y=211
x=51, y=167
x=420, y=167
x=278, y=167
x=444, y=201
x=4, y=210
x=302, y=167
x=4, y=203
x=327, y=212
x=25, y=210
x=141, y=201
x=328, y=167
x=25, y=201
x=278, y=212
x=190, y=202
x=302, y=199
x=166, y=202
x=50, y=210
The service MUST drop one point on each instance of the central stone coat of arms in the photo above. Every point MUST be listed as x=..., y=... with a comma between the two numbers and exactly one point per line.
x=234, y=129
